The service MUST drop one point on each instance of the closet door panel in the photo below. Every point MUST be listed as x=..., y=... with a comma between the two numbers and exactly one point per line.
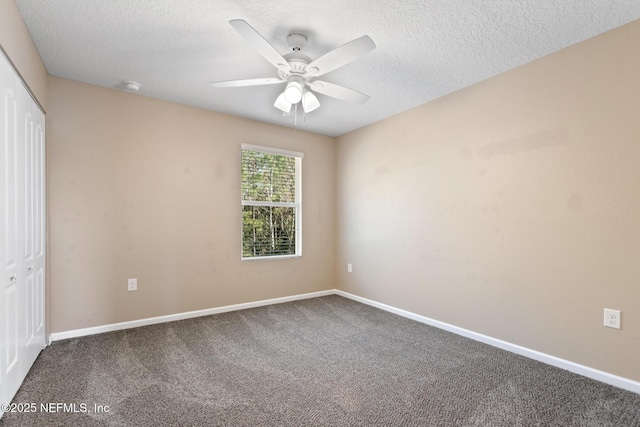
x=12, y=288
x=33, y=259
x=27, y=166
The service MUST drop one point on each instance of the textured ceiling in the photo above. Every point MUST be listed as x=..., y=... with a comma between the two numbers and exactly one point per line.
x=425, y=48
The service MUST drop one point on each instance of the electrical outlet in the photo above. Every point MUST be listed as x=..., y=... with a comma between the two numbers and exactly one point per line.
x=349, y=268
x=132, y=284
x=612, y=318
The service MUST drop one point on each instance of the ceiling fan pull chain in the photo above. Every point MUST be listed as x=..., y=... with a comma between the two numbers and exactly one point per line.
x=295, y=115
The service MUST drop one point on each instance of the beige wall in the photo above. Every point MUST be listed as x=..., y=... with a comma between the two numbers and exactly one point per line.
x=17, y=43
x=150, y=189
x=510, y=208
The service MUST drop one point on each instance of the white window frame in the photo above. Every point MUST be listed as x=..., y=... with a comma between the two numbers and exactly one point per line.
x=297, y=205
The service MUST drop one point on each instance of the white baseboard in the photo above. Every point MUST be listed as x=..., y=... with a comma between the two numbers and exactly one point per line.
x=605, y=377
x=57, y=336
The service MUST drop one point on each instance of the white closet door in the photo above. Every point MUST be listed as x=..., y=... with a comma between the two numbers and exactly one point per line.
x=22, y=239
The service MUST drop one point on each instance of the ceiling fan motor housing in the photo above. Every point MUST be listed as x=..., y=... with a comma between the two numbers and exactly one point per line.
x=298, y=63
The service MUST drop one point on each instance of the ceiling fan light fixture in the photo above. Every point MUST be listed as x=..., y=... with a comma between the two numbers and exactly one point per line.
x=309, y=102
x=293, y=92
x=282, y=103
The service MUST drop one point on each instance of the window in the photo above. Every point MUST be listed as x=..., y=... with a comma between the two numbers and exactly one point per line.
x=271, y=202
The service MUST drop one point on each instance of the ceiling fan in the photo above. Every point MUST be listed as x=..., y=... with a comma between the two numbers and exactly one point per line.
x=298, y=71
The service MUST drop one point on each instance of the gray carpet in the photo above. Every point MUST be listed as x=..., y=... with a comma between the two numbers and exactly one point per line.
x=322, y=362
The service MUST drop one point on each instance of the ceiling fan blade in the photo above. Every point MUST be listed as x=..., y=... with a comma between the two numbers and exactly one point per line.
x=248, y=82
x=338, y=92
x=341, y=56
x=260, y=44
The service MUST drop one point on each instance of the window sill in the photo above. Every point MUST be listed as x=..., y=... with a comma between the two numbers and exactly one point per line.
x=264, y=258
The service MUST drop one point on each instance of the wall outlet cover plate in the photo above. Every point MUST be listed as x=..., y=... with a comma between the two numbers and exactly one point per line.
x=612, y=318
